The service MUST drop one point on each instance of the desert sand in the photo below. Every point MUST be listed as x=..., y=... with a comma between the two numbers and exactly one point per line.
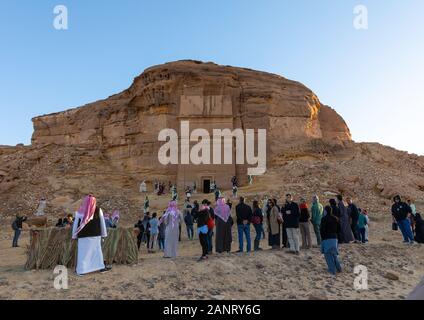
x=394, y=270
x=108, y=147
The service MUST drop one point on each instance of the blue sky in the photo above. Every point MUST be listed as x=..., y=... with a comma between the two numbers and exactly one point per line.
x=374, y=78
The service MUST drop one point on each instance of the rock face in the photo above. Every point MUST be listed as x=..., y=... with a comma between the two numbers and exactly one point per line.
x=109, y=147
x=124, y=128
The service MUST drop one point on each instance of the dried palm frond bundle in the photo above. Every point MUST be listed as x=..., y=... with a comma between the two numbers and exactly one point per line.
x=54, y=246
x=120, y=247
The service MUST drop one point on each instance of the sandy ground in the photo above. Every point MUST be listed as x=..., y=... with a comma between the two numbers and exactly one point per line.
x=262, y=275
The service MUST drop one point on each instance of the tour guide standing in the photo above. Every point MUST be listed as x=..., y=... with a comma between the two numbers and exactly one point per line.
x=401, y=213
x=244, y=218
x=89, y=228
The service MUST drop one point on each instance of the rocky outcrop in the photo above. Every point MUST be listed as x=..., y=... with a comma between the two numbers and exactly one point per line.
x=110, y=146
x=126, y=126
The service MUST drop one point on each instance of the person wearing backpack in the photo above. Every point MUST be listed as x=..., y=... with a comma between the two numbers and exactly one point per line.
x=17, y=227
x=244, y=218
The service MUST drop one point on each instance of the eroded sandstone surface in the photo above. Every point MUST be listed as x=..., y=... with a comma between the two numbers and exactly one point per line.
x=109, y=146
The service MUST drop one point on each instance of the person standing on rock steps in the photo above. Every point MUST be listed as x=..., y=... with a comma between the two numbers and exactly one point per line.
x=401, y=213
x=291, y=216
x=143, y=187
x=235, y=189
x=316, y=216
x=146, y=206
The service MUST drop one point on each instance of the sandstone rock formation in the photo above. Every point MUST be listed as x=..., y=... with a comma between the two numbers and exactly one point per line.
x=109, y=146
x=125, y=126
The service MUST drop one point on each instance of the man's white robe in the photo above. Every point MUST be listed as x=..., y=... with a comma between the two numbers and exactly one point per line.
x=90, y=254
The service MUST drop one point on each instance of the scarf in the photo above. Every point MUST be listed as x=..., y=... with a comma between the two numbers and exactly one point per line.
x=222, y=210
x=173, y=212
x=87, y=209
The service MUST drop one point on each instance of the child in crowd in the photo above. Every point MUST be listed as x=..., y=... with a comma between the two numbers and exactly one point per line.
x=154, y=231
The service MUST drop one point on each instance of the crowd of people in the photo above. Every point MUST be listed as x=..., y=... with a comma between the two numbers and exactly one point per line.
x=291, y=225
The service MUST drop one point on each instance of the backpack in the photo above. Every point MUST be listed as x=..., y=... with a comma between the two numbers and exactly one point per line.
x=211, y=223
x=14, y=225
x=256, y=220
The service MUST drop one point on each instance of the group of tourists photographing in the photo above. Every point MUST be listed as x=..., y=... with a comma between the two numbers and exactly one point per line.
x=290, y=225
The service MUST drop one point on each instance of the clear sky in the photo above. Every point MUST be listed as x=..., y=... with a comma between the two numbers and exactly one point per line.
x=374, y=78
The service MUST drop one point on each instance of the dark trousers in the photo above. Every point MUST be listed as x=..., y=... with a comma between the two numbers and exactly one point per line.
x=16, y=237
x=361, y=233
x=210, y=240
x=405, y=228
x=285, y=238
x=203, y=237
x=258, y=229
x=244, y=230
x=161, y=243
x=190, y=231
x=355, y=230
